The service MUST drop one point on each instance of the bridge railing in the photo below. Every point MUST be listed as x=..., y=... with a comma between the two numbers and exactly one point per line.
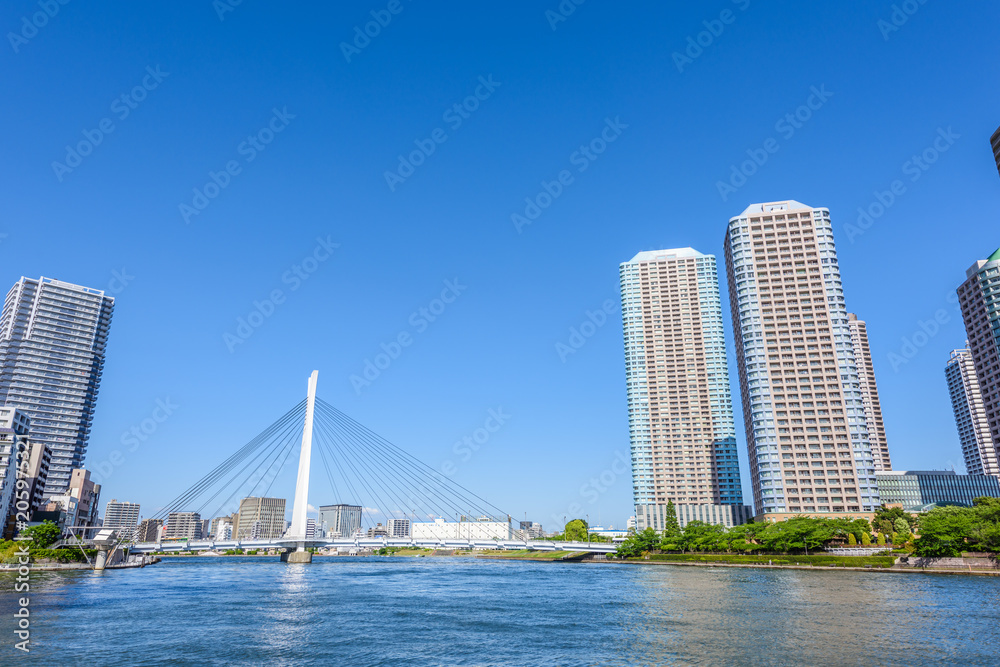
x=377, y=543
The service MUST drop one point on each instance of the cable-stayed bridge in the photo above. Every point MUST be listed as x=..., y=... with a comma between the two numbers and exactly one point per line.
x=362, y=469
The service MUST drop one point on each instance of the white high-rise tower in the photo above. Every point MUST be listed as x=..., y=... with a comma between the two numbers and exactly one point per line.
x=681, y=426
x=53, y=337
x=803, y=404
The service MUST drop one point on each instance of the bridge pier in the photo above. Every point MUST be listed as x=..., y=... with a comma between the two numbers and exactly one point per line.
x=297, y=556
x=101, y=559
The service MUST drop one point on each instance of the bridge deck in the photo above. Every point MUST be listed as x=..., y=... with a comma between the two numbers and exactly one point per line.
x=377, y=543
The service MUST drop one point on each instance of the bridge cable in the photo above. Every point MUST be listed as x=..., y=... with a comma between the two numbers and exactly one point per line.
x=415, y=461
x=227, y=465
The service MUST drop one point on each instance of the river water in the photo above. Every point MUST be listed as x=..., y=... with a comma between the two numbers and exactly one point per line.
x=460, y=611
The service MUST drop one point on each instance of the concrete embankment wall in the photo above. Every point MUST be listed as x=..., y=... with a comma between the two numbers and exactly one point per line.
x=968, y=564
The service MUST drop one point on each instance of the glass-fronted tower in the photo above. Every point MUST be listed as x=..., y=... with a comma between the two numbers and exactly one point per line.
x=979, y=298
x=803, y=407
x=683, y=436
x=970, y=414
x=53, y=337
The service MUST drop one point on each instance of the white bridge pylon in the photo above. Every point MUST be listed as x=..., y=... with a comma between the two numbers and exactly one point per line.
x=297, y=531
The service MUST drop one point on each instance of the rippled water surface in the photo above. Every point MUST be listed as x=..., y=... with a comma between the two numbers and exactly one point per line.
x=458, y=611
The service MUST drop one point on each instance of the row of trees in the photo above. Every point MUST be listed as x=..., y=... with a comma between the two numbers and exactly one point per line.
x=577, y=530
x=796, y=535
x=948, y=531
x=944, y=531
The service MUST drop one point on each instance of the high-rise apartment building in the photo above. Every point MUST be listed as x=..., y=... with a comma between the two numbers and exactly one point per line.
x=807, y=432
x=970, y=415
x=683, y=437
x=260, y=518
x=979, y=299
x=869, y=392
x=121, y=514
x=339, y=520
x=53, y=337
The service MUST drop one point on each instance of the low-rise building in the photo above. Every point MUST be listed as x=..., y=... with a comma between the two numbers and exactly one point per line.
x=339, y=520
x=87, y=495
x=150, y=530
x=398, y=527
x=260, y=518
x=183, y=525
x=223, y=530
x=14, y=428
x=37, y=472
x=916, y=489
x=120, y=514
x=654, y=516
x=483, y=528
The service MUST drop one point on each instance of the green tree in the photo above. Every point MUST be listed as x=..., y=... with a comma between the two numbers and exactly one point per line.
x=851, y=540
x=701, y=536
x=637, y=544
x=891, y=514
x=797, y=533
x=985, y=530
x=902, y=527
x=944, y=531
x=881, y=539
x=576, y=531
x=671, y=527
x=43, y=535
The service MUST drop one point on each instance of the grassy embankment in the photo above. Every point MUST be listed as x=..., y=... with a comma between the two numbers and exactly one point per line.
x=532, y=555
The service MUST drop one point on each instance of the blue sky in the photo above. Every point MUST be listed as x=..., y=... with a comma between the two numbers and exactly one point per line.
x=335, y=124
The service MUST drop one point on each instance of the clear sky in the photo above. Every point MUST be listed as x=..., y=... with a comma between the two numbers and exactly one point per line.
x=309, y=127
